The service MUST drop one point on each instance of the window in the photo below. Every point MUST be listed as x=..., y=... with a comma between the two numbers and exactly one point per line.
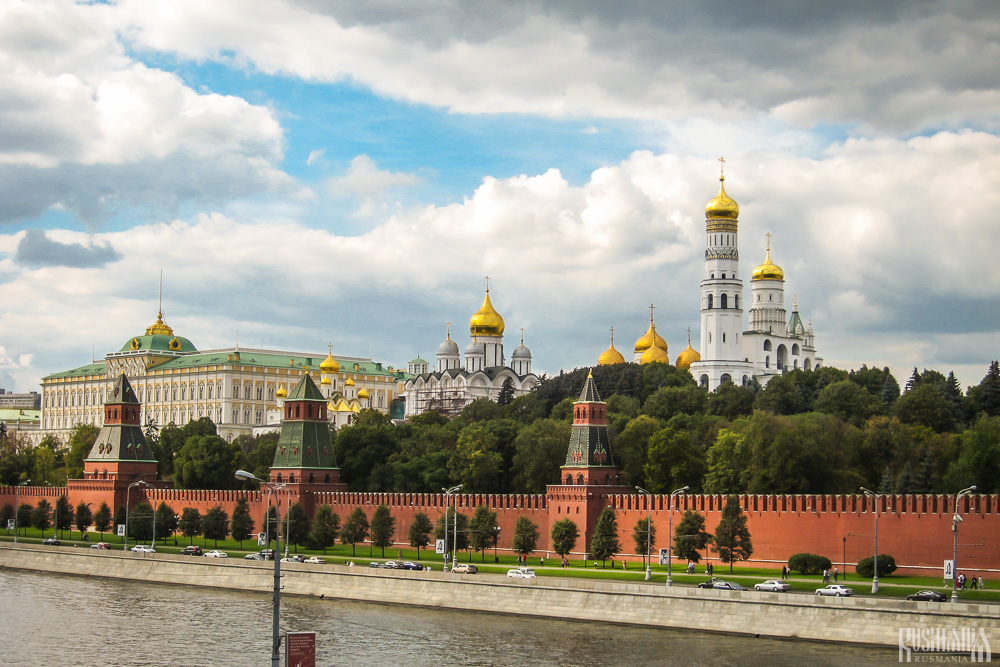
x=723, y=336
x=183, y=393
x=246, y=392
x=270, y=393
x=710, y=302
x=260, y=393
x=725, y=301
x=736, y=301
x=209, y=391
x=236, y=390
x=201, y=392
x=236, y=416
x=767, y=361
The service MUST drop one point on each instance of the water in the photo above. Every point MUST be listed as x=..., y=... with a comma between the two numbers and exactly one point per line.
x=61, y=620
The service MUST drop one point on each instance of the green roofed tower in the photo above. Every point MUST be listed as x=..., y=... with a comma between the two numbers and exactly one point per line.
x=588, y=457
x=120, y=451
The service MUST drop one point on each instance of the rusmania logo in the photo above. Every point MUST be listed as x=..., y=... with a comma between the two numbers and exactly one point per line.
x=944, y=645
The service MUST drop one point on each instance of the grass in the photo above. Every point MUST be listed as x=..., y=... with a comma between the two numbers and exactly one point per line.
x=891, y=587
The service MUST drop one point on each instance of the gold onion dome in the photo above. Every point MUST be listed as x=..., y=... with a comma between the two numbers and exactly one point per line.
x=281, y=393
x=654, y=354
x=329, y=365
x=650, y=339
x=349, y=382
x=688, y=356
x=722, y=206
x=611, y=355
x=486, y=321
x=158, y=328
x=363, y=393
x=768, y=270
x=325, y=380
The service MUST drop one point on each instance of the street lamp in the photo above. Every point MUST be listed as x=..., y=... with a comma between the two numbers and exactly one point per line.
x=275, y=638
x=649, y=523
x=955, y=520
x=496, y=540
x=17, y=504
x=670, y=532
x=127, y=492
x=447, y=504
x=875, y=503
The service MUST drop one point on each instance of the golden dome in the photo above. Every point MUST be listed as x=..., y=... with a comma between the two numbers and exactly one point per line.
x=611, y=355
x=721, y=206
x=768, y=270
x=363, y=393
x=349, y=383
x=281, y=393
x=486, y=321
x=688, y=356
x=329, y=365
x=325, y=380
x=158, y=327
x=650, y=338
x=654, y=353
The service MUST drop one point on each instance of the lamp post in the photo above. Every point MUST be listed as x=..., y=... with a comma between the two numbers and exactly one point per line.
x=874, y=498
x=955, y=520
x=496, y=539
x=670, y=532
x=275, y=638
x=649, y=523
x=127, y=492
x=17, y=504
x=844, y=562
x=447, y=504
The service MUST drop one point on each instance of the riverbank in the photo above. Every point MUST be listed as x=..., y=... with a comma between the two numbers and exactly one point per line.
x=856, y=620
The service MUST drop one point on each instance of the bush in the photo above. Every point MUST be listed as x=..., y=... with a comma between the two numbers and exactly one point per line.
x=866, y=566
x=809, y=563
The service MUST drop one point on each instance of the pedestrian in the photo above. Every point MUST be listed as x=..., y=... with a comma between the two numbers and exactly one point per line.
x=826, y=576
x=624, y=562
x=564, y=562
x=836, y=572
x=973, y=584
x=542, y=561
x=982, y=584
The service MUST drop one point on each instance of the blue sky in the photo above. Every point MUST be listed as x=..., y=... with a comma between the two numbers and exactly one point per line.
x=316, y=171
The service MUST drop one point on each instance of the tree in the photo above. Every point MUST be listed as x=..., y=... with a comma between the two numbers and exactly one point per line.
x=84, y=518
x=102, y=519
x=564, y=536
x=666, y=402
x=458, y=530
x=632, y=446
x=325, y=528
x=728, y=463
x=483, y=529
x=41, y=516
x=140, y=522
x=383, y=528
x=539, y=450
x=241, y=525
x=506, y=396
x=166, y=521
x=849, y=401
x=731, y=401
x=81, y=441
x=673, y=461
x=644, y=541
x=205, y=462
x=355, y=529
x=477, y=461
x=6, y=513
x=419, y=534
x=690, y=537
x=605, y=542
x=215, y=524
x=119, y=520
x=732, y=537
x=299, y=526
x=927, y=406
x=64, y=515
x=24, y=514
x=190, y=523
x=525, y=536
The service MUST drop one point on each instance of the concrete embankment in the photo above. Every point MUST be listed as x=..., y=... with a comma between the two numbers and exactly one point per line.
x=859, y=620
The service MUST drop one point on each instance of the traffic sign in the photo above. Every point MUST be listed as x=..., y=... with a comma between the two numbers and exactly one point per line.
x=439, y=546
x=121, y=530
x=949, y=569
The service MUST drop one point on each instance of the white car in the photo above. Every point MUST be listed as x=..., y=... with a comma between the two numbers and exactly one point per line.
x=216, y=554
x=315, y=560
x=773, y=585
x=521, y=573
x=836, y=590
x=143, y=549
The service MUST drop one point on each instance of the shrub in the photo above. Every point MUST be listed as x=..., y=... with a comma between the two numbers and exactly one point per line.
x=866, y=566
x=809, y=563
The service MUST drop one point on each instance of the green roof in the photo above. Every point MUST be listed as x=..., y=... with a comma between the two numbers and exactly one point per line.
x=19, y=414
x=306, y=390
x=272, y=360
x=98, y=368
x=158, y=343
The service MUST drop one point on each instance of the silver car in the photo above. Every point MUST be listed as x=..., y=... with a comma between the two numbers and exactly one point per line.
x=837, y=590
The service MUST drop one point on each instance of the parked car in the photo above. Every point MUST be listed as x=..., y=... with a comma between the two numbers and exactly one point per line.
x=928, y=596
x=521, y=573
x=392, y=565
x=315, y=560
x=100, y=545
x=376, y=565
x=53, y=542
x=410, y=565
x=267, y=554
x=465, y=568
x=216, y=554
x=294, y=558
x=143, y=549
x=253, y=557
x=836, y=590
x=192, y=550
x=722, y=585
x=773, y=585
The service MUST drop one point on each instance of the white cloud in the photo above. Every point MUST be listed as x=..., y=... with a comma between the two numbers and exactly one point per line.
x=315, y=156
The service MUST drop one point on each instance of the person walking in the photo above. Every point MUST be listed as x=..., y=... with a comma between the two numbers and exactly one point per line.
x=982, y=584
x=836, y=572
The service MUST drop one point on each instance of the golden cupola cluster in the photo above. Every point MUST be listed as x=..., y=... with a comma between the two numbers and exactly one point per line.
x=688, y=356
x=722, y=205
x=487, y=321
x=611, y=355
x=158, y=328
x=330, y=364
x=768, y=270
x=650, y=339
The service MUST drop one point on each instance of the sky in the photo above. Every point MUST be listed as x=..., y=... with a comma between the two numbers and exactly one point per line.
x=334, y=172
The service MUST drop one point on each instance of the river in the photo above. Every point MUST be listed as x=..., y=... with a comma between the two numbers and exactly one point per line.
x=51, y=619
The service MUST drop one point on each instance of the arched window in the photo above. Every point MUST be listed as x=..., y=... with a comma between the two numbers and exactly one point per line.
x=736, y=301
x=569, y=479
x=767, y=361
x=710, y=302
x=579, y=478
x=725, y=301
x=767, y=346
x=795, y=349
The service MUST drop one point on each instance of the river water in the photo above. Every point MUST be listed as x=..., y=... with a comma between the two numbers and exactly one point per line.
x=51, y=619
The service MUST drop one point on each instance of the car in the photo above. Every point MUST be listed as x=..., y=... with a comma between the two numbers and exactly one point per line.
x=52, y=542
x=392, y=565
x=928, y=596
x=521, y=573
x=315, y=560
x=465, y=568
x=192, y=550
x=773, y=585
x=143, y=549
x=267, y=554
x=376, y=565
x=410, y=565
x=216, y=554
x=837, y=590
x=100, y=545
x=253, y=557
x=294, y=558
x=719, y=584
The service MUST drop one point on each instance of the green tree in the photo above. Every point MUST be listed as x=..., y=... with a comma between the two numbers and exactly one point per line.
x=166, y=521
x=564, y=536
x=539, y=451
x=666, y=402
x=728, y=463
x=849, y=401
x=978, y=460
x=632, y=447
x=419, y=534
x=985, y=396
x=732, y=536
x=673, y=461
x=605, y=542
x=190, y=523
x=325, y=528
x=119, y=520
x=483, y=529
x=299, y=526
x=781, y=396
x=7, y=513
x=457, y=538
x=215, y=524
x=84, y=518
x=525, y=536
x=927, y=406
x=41, y=516
x=206, y=462
x=644, y=542
x=731, y=401
x=24, y=514
x=64, y=515
x=383, y=528
x=45, y=461
x=241, y=525
x=140, y=522
x=690, y=537
x=172, y=438
x=81, y=441
x=477, y=461
x=102, y=519
x=506, y=396
x=363, y=450
x=355, y=529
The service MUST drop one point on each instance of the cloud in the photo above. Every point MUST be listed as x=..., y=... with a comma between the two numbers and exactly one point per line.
x=315, y=156
x=369, y=185
x=37, y=249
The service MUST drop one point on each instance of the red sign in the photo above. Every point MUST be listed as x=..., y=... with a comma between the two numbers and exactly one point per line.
x=300, y=649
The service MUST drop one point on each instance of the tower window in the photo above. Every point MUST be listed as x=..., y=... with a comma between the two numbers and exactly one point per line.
x=723, y=337
x=725, y=301
x=710, y=302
